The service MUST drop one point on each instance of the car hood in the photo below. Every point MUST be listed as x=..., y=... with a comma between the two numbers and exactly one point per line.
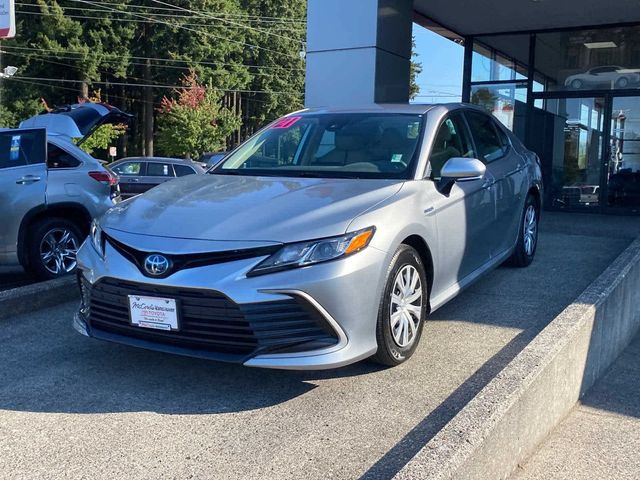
x=248, y=209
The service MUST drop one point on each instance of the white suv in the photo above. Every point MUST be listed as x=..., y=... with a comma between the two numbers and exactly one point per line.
x=50, y=189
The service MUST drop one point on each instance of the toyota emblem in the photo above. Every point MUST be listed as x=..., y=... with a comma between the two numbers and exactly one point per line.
x=156, y=264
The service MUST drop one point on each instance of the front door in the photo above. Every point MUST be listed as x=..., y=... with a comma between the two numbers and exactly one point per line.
x=23, y=183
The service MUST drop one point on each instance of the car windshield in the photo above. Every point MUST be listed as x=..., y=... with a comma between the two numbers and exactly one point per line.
x=330, y=145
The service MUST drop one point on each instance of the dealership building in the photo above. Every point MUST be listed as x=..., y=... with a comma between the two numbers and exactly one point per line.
x=564, y=76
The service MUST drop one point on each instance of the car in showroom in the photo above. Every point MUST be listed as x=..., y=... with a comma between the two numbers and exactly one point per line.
x=327, y=238
x=50, y=189
x=140, y=174
x=610, y=76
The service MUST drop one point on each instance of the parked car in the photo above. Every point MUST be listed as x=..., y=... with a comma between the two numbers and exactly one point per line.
x=605, y=76
x=140, y=174
x=208, y=160
x=50, y=189
x=328, y=238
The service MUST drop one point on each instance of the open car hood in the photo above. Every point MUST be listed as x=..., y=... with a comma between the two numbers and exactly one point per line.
x=77, y=121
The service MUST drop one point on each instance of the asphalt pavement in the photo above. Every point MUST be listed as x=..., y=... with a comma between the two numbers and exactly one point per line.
x=600, y=439
x=72, y=407
x=13, y=277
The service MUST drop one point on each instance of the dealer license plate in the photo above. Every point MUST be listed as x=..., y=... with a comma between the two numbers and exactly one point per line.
x=153, y=312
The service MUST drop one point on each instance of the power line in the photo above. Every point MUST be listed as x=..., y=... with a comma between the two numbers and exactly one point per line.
x=172, y=87
x=285, y=20
x=230, y=22
x=132, y=20
x=201, y=32
x=159, y=59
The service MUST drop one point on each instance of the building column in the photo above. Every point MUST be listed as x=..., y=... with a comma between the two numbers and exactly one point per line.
x=358, y=52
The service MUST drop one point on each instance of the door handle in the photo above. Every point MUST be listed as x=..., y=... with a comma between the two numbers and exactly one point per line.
x=28, y=180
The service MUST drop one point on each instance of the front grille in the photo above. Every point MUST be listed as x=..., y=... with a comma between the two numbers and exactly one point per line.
x=212, y=322
x=189, y=260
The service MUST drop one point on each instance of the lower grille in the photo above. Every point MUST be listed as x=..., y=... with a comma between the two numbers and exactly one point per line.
x=210, y=321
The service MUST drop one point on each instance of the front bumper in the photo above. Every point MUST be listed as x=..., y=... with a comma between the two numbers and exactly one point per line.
x=344, y=296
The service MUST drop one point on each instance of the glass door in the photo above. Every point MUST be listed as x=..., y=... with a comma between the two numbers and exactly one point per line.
x=569, y=134
x=622, y=177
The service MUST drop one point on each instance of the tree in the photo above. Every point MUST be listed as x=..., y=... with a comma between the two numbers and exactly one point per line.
x=194, y=122
x=414, y=72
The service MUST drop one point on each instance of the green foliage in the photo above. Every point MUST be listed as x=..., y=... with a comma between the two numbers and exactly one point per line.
x=194, y=122
x=415, y=71
x=103, y=138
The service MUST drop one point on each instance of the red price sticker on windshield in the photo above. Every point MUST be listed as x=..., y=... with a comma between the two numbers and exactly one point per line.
x=286, y=122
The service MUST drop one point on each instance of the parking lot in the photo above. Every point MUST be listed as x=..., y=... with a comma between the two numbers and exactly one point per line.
x=79, y=408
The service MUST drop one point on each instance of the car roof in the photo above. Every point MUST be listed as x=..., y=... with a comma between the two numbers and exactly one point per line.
x=154, y=159
x=406, y=108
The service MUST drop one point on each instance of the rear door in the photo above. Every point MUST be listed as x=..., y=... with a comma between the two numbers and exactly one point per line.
x=158, y=172
x=131, y=175
x=506, y=167
x=23, y=182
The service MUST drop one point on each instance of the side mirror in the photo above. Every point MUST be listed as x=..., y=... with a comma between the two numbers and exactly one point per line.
x=460, y=169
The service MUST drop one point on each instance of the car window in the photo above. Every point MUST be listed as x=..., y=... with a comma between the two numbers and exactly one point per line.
x=19, y=148
x=183, y=170
x=58, y=158
x=450, y=141
x=156, y=169
x=490, y=146
x=128, y=168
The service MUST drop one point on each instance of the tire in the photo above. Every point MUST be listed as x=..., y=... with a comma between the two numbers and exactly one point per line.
x=58, y=237
x=527, y=243
x=576, y=84
x=393, y=347
x=623, y=82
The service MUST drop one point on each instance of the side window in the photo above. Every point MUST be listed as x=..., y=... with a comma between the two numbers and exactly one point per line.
x=450, y=141
x=128, y=169
x=156, y=169
x=58, y=158
x=183, y=170
x=19, y=148
x=488, y=143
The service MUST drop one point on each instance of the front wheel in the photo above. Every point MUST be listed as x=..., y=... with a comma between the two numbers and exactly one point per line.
x=403, y=308
x=527, y=236
x=52, y=247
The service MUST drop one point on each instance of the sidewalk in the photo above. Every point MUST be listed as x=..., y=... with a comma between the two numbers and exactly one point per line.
x=600, y=439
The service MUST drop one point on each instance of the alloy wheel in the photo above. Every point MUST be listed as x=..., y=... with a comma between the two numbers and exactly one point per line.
x=530, y=230
x=58, y=250
x=406, y=306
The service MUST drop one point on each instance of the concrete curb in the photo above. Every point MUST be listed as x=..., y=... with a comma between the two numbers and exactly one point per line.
x=502, y=425
x=37, y=296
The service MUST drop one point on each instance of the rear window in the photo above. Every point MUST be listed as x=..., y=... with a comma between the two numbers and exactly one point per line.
x=58, y=158
x=159, y=170
x=183, y=170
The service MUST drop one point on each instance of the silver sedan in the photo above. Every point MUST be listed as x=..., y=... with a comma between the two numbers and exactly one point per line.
x=326, y=238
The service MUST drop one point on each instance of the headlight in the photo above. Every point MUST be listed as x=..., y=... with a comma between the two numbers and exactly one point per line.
x=308, y=253
x=97, y=240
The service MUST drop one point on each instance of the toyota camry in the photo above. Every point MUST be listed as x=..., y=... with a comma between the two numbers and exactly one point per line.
x=326, y=238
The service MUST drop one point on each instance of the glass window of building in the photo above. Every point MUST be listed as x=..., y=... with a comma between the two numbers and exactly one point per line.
x=598, y=59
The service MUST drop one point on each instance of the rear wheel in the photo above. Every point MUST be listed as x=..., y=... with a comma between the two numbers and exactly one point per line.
x=528, y=235
x=403, y=308
x=52, y=247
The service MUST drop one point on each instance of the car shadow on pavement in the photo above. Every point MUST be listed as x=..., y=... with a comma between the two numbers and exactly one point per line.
x=65, y=373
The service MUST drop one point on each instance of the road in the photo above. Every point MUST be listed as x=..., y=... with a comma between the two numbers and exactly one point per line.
x=78, y=408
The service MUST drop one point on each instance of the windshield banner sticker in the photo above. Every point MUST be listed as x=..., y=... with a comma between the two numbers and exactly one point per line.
x=286, y=122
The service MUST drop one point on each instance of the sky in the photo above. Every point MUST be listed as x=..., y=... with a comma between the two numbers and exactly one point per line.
x=442, y=61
